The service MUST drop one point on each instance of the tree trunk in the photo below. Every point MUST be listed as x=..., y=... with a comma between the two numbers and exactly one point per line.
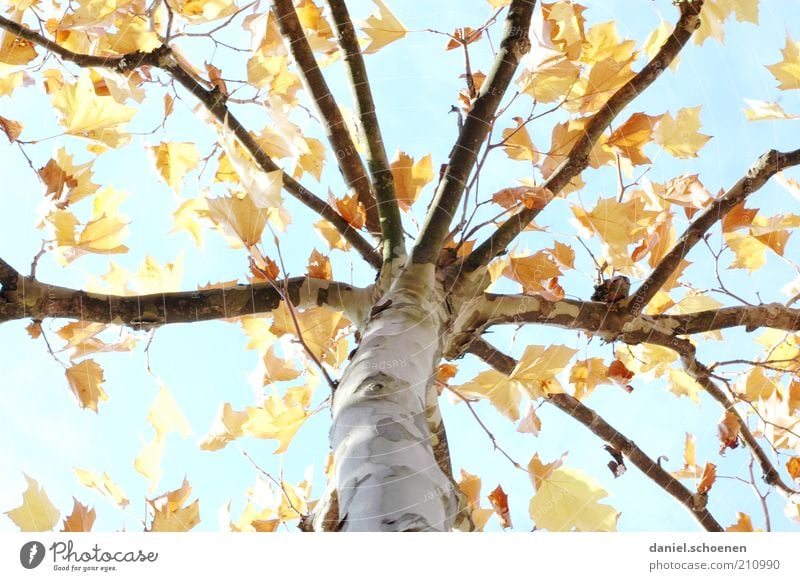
x=385, y=475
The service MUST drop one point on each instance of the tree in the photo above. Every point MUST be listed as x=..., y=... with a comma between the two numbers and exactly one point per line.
x=433, y=283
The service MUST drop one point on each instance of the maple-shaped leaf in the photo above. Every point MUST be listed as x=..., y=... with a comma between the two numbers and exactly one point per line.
x=504, y=395
x=227, y=426
x=551, y=81
x=36, y=513
x=80, y=520
x=787, y=71
x=312, y=161
x=187, y=217
x=104, y=485
x=682, y=384
x=382, y=28
x=86, y=380
x=13, y=49
x=793, y=467
x=538, y=367
x=743, y=524
x=533, y=271
x=532, y=197
x=679, y=135
x=631, y=137
x=174, y=161
x=567, y=500
x=276, y=420
x=761, y=110
x=277, y=368
x=319, y=266
x=179, y=520
x=264, y=188
x=566, y=25
x=517, y=142
x=239, y=218
x=133, y=34
x=83, y=110
x=587, y=374
x=410, y=177
x=318, y=326
x=204, y=10
x=499, y=500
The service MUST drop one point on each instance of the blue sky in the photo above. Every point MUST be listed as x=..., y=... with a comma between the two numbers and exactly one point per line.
x=45, y=434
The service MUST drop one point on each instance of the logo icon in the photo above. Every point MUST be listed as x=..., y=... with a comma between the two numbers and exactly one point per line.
x=31, y=554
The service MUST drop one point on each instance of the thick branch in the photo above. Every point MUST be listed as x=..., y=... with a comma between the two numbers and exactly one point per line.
x=335, y=127
x=377, y=161
x=702, y=375
x=214, y=101
x=773, y=315
x=514, y=45
x=605, y=431
x=38, y=301
x=578, y=158
x=765, y=167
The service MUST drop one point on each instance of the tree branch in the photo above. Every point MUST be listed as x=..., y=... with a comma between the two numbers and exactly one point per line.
x=702, y=375
x=764, y=168
x=38, y=301
x=335, y=127
x=606, y=432
x=514, y=45
x=578, y=157
x=214, y=101
x=377, y=161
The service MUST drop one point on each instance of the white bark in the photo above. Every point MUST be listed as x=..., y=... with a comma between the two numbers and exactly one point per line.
x=385, y=474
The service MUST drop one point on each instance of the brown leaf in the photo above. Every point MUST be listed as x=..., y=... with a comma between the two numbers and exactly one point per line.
x=619, y=374
x=707, y=478
x=81, y=519
x=11, y=128
x=319, y=266
x=793, y=467
x=728, y=429
x=499, y=500
x=215, y=76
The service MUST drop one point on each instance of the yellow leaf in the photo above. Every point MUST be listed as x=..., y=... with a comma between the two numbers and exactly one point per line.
x=36, y=513
x=85, y=380
x=517, y=143
x=760, y=110
x=275, y=420
x=204, y=10
x=498, y=3
x=410, y=177
x=539, y=471
x=567, y=500
x=331, y=235
x=277, y=368
x=9, y=82
x=148, y=462
x=566, y=27
x=13, y=49
x=758, y=386
x=318, y=326
x=382, y=28
x=104, y=485
x=504, y=395
x=165, y=416
x=603, y=41
x=690, y=468
x=176, y=521
x=238, y=218
x=312, y=161
x=227, y=426
x=749, y=251
x=133, y=34
x=678, y=136
x=83, y=110
x=550, y=82
x=587, y=374
x=631, y=137
x=681, y=384
x=538, y=367
x=186, y=218
x=656, y=40
x=81, y=520
x=532, y=271
x=743, y=524
x=174, y=161
x=787, y=71
x=530, y=423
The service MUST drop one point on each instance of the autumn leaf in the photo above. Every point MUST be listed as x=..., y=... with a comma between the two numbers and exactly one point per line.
x=707, y=478
x=499, y=500
x=104, y=485
x=787, y=71
x=587, y=374
x=227, y=426
x=621, y=375
x=517, y=142
x=238, y=218
x=567, y=500
x=174, y=161
x=36, y=513
x=13, y=49
x=728, y=429
x=761, y=110
x=743, y=524
x=148, y=462
x=504, y=395
x=470, y=486
x=630, y=138
x=382, y=28
x=679, y=135
x=410, y=177
x=85, y=380
x=80, y=520
x=530, y=422
x=276, y=420
x=319, y=266
x=83, y=111
x=793, y=467
x=165, y=416
x=178, y=520
x=11, y=128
